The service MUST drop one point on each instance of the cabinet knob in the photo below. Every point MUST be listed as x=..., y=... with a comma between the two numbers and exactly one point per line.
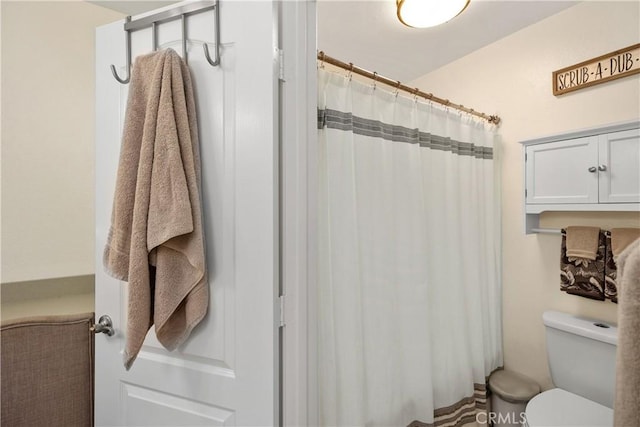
x=593, y=169
x=602, y=168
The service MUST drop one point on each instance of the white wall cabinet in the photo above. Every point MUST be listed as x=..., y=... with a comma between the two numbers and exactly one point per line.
x=590, y=170
x=619, y=167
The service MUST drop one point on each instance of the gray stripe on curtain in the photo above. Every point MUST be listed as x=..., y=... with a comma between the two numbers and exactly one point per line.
x=334, y=119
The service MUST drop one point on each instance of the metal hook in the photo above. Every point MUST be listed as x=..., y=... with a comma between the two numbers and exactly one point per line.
x=415, y=94
x=350, y=75
x=128, y=53
x=215, y=62
x=375, y=79
x=154, y=36
x=183, y=22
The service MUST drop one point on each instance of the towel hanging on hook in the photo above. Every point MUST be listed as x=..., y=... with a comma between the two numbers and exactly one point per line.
x=153, y=20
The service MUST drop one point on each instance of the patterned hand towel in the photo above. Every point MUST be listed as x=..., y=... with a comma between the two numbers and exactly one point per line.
x=582, y=242
x=156, y=241
x=627, y=403
x=610, y=272
x=581, y=276
x=617, y=241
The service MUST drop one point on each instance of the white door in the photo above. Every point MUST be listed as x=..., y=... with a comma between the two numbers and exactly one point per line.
x=563, y=172
x=227, y=371
x=619, y=167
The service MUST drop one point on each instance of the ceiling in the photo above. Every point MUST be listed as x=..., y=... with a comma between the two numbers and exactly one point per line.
x=369, y=34
x=131, y=7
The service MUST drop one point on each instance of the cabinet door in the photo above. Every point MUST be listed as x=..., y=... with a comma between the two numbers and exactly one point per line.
x=563, y=172
x=619, y=166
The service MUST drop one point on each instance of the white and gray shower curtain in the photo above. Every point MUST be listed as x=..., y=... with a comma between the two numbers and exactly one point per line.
x=409, y=294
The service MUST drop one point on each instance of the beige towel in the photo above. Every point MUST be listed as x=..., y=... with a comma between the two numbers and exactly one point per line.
x=582, y=242
x=621, y=238
x=627, y=401
x=156, y=241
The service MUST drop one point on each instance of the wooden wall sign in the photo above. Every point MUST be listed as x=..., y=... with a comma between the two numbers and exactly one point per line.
x=614, y=65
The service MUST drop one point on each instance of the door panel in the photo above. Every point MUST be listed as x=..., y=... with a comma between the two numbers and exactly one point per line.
x=620, y=156
x=226, y=372
x=169, y=410
x=558, y=172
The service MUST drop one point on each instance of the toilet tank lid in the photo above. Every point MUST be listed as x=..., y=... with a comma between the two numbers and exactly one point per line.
x=589, y=328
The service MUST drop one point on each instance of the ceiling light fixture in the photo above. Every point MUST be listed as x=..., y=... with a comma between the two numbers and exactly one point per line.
x=429, y=13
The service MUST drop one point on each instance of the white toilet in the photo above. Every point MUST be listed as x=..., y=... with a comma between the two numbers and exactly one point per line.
x=582, y=356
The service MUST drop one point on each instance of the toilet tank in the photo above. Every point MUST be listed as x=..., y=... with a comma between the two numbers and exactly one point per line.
x=582, y=355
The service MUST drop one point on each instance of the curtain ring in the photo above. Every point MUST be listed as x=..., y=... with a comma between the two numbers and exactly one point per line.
x=350, y=75
x=321, y=54
x=415, y=94
x=375, y=79
x=398, y=88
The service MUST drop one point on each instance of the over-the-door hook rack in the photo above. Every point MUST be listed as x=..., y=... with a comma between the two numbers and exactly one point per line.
x=180, y=12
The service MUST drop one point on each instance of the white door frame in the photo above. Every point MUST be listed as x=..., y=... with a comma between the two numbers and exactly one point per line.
x=298, y=130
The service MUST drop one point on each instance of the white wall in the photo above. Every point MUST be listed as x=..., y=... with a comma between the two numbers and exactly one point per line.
x=512, y=78
x=48, y=156
x=48, y=138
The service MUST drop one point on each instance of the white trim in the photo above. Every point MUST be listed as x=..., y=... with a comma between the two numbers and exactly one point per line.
x=581, y=207
x=615, y=127
x=298, y=190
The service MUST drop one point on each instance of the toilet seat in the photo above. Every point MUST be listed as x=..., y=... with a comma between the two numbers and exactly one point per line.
x=557, y=407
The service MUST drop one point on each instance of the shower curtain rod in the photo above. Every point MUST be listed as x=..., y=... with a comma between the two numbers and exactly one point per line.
x=399, y=86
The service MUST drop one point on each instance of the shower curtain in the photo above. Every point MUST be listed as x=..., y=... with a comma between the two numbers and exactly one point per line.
x=409, y=294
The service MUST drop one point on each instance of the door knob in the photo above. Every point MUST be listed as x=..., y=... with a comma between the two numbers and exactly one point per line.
x=602, y=168
x=104, y=326
x=593, y=169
